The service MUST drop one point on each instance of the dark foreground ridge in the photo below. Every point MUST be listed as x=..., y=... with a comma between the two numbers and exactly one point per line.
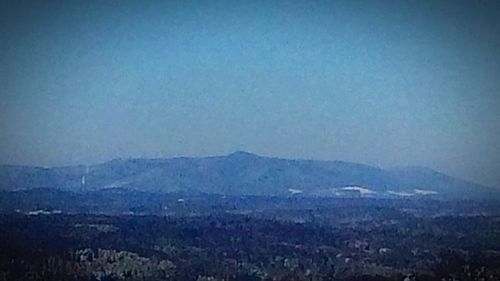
x=259, y=239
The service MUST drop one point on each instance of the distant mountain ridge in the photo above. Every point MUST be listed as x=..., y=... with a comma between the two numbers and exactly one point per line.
x=243, y=173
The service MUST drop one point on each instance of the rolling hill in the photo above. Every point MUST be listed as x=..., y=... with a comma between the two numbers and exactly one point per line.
x=243, y=173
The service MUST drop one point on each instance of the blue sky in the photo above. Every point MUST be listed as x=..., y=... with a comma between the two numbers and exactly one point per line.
x=387, y=83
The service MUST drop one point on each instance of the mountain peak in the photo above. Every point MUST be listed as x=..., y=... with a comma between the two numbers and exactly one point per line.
x=241, y=153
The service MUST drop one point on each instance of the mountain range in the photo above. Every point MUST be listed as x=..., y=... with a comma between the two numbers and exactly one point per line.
x=243, y=173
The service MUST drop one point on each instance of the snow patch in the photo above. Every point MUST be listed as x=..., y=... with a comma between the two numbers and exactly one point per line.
x=424, y=192
x=361, y=190
x=44, y=212
x=295, y=191
x=415, y=192
x=405, y=194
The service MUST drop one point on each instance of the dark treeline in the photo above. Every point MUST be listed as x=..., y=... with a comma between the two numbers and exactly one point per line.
x=342, y=243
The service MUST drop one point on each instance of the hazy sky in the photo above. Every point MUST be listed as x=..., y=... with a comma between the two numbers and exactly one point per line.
x=387, y=83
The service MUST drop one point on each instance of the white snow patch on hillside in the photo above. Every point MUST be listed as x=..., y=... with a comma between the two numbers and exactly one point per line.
x=295, y=191
x=400, y=193
x=424, y=192
x=361, y=190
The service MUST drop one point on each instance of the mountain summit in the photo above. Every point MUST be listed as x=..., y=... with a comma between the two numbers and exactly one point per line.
x=241, y=153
